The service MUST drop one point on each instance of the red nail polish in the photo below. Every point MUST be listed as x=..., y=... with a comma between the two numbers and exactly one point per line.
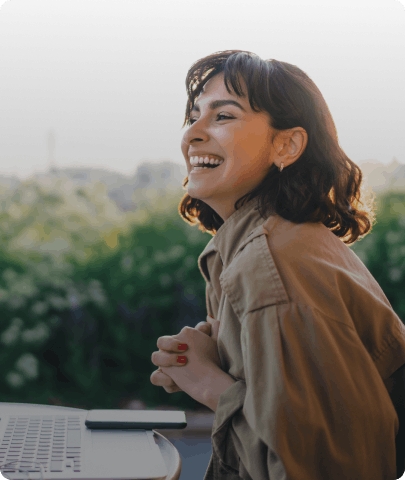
x=183, y=346
x=181, y=359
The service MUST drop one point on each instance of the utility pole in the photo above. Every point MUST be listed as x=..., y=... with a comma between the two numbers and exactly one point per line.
x=51, y=151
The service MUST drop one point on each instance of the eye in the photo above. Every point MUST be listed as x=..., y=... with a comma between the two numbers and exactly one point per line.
x=226, y=117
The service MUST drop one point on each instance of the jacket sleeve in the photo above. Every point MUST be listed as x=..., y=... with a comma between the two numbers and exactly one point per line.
x=313, y=406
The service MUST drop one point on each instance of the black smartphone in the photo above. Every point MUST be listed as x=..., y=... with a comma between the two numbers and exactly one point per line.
x=135, y=419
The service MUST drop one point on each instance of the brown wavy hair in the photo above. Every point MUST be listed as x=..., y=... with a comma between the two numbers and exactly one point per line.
x=323, y=184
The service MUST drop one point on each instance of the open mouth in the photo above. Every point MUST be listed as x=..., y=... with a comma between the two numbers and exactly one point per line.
x=206, y=167
x=200, y=166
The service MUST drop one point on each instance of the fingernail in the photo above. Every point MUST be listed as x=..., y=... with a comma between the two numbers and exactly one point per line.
x=183, y=346
x=181, y=359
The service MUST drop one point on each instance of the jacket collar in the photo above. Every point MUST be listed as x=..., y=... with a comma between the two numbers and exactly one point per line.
x=231, y=235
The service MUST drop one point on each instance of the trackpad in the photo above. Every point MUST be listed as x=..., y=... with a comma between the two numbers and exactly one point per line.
x=123, y=451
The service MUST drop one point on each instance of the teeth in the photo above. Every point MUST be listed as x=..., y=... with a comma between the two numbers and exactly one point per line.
x=203, y=161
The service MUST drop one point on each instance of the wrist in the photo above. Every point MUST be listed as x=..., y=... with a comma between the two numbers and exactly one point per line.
x=217, y=383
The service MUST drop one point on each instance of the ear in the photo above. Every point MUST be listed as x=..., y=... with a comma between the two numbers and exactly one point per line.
x=290, y=145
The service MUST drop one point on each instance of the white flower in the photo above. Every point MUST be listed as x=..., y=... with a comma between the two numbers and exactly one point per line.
x=15, y=302
x=176, y=252
x=392, y=237
x=395, y=274
x=160, y=257
x=39, y=308
x=15, y=379
x=96, y=293
x=9, y=275
x=144, y=270
x=77, y=298
x=10, y=336
x=3, y=295
x=57, y=302
x=36, y=334
x=362, y=255
x=28, y=365
x=127, y=263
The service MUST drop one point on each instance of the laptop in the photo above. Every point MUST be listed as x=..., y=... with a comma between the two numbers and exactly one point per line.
x=56, y=444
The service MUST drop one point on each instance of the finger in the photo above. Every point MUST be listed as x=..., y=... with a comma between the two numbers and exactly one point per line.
x=204, y=327
x=160, y=379
x=170, y=344
x=173, y=389
x=164, y=342
x=165, y=359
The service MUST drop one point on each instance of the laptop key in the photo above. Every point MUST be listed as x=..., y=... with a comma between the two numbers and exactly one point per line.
x=56, y=466
x=73, y=438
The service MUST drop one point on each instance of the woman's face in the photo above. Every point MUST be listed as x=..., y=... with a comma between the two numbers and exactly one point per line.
x=239, y=136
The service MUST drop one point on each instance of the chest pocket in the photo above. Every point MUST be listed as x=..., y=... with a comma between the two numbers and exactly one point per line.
x=251, y=281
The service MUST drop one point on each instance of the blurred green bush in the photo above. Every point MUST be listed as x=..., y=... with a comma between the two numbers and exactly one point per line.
x=80, y=329
x=383, y=249
x=79, y=326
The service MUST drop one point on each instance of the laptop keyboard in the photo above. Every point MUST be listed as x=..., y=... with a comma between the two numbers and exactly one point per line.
x=51, y=440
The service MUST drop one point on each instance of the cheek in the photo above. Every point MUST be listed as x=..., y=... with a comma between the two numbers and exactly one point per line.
x=246, y=142
x=248, y=169
x=228, y=138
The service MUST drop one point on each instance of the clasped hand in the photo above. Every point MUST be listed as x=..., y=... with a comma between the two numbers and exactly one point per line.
x=202, y=360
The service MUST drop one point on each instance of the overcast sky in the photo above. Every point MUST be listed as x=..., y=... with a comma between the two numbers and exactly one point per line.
x=108, y=77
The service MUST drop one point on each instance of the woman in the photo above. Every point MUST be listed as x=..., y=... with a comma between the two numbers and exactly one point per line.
x=307, y=339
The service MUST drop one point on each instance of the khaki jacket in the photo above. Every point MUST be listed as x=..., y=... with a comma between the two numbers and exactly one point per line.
x=310, y=338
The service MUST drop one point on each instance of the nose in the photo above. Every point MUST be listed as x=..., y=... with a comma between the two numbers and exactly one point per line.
x=195, y=133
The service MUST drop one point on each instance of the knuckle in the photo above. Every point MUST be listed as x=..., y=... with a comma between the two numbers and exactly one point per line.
x=158, y=378
x=170, y=389
x=162, y=342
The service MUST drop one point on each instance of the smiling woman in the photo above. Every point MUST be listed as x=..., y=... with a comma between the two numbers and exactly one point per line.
x=311, y=348
x=270, y=125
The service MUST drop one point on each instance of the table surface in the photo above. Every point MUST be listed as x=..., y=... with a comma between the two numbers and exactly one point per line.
x=170, y=454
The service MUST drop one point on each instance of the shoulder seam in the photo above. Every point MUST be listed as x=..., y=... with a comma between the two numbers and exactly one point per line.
x=305, y=305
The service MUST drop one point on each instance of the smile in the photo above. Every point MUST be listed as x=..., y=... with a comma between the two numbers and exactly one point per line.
x=197, y=170
x=204, y=163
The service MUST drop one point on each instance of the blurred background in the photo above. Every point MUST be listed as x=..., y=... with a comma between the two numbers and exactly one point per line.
x=95, y=260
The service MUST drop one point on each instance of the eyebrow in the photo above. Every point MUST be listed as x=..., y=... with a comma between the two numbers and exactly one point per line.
x=218, y=103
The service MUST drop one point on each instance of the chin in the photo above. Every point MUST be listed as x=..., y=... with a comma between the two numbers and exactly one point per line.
x=195, y=196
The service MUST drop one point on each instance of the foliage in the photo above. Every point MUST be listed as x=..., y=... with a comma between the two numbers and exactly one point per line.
x=81, y=327
x=83, y=330
x=383, y=250
x=53, y=217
